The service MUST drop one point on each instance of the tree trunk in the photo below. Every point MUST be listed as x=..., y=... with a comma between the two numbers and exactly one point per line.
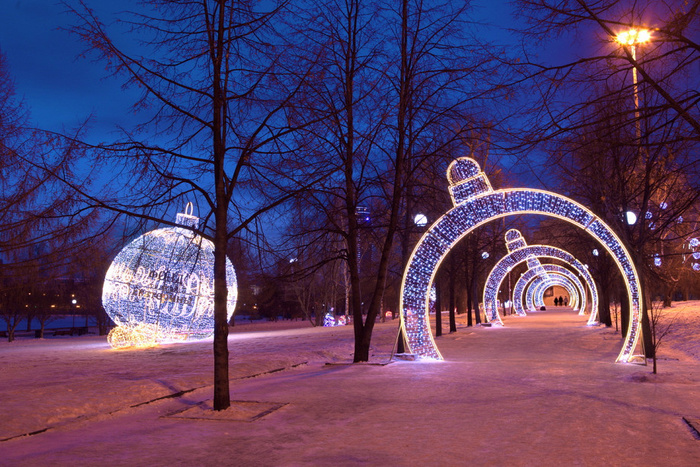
x=222, y=396
x=624, y=312
x=363, y=333
x=604, y=305
x=475, y=298
x=438, y=307
x=452, y=285
x=467, y=283
x=668, y=295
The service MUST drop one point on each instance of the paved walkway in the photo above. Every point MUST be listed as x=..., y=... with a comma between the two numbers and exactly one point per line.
x=543, y=390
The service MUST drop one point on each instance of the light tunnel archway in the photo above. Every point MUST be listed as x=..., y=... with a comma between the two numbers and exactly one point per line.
x=524, y=289
x=500, y=270
x=536, y=290
x=562, y=271
x=528, y=281
x=519, y=251
x=476, y=203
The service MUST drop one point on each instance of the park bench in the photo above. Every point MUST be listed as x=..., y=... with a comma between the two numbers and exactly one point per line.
x=69, y=331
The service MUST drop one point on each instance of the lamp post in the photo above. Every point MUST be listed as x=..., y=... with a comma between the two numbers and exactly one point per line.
x=632, y=39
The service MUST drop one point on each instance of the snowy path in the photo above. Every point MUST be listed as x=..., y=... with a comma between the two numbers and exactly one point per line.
x=542, y=390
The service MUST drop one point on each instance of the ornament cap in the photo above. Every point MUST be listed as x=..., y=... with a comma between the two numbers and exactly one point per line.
x=186, y=218
x=467, y=180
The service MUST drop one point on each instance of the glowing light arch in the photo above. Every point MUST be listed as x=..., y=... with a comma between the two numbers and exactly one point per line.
x=516, y=242
x=562, y=271
x=534, y=300
x=537, y=288
x=509, y=261
x=535, y=293
x=524, y=284
x=476, y=203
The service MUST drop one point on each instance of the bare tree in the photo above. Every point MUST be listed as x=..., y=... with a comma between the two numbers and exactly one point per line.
x=398, y=79
x=661, y=325
x=217, y=90
x=619, y=143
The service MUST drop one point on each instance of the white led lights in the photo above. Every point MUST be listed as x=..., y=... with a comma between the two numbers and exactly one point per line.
x=525, y=286
x=580, y=302
x=531, y=254
x=161, y=287
x=476, y=203
x=536, y=290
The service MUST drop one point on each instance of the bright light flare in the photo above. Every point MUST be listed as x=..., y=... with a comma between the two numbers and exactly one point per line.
x=420, y=220
x=633, y=37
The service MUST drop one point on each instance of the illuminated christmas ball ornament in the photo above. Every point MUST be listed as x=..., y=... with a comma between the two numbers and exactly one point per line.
x=160, y=287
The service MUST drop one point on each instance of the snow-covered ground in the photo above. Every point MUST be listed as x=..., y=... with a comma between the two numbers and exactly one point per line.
x=542, y=390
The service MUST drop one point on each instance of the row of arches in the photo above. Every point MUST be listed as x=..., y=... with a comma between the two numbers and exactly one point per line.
x=476, y=203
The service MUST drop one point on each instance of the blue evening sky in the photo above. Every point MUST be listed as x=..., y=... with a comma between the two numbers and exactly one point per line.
x=62, y=89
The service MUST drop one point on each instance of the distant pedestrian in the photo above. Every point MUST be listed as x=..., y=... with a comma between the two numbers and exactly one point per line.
x=556, y=301
x=566, y=301
x=561, y=300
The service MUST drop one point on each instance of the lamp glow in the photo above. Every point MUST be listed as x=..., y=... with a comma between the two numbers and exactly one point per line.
x=161, y=287
x=633, y=37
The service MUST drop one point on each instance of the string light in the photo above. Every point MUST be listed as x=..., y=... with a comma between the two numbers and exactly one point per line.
x=519, y=251
x=540, y=285
x=476, y=203
x=580, y=303
x=161, y=287
x=329, y=320
x=533, y=301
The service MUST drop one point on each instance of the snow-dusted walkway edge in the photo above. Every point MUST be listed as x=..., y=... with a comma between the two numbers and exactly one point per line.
x=542, y=390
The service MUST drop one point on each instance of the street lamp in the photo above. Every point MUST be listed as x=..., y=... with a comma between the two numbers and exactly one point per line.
x=633, y=38
x=420, y=220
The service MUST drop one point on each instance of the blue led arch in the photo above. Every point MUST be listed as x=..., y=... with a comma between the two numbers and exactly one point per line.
x=537, y=288
x=476, y=203
x=524, y=284
x=511, y=260
x=581, y=306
